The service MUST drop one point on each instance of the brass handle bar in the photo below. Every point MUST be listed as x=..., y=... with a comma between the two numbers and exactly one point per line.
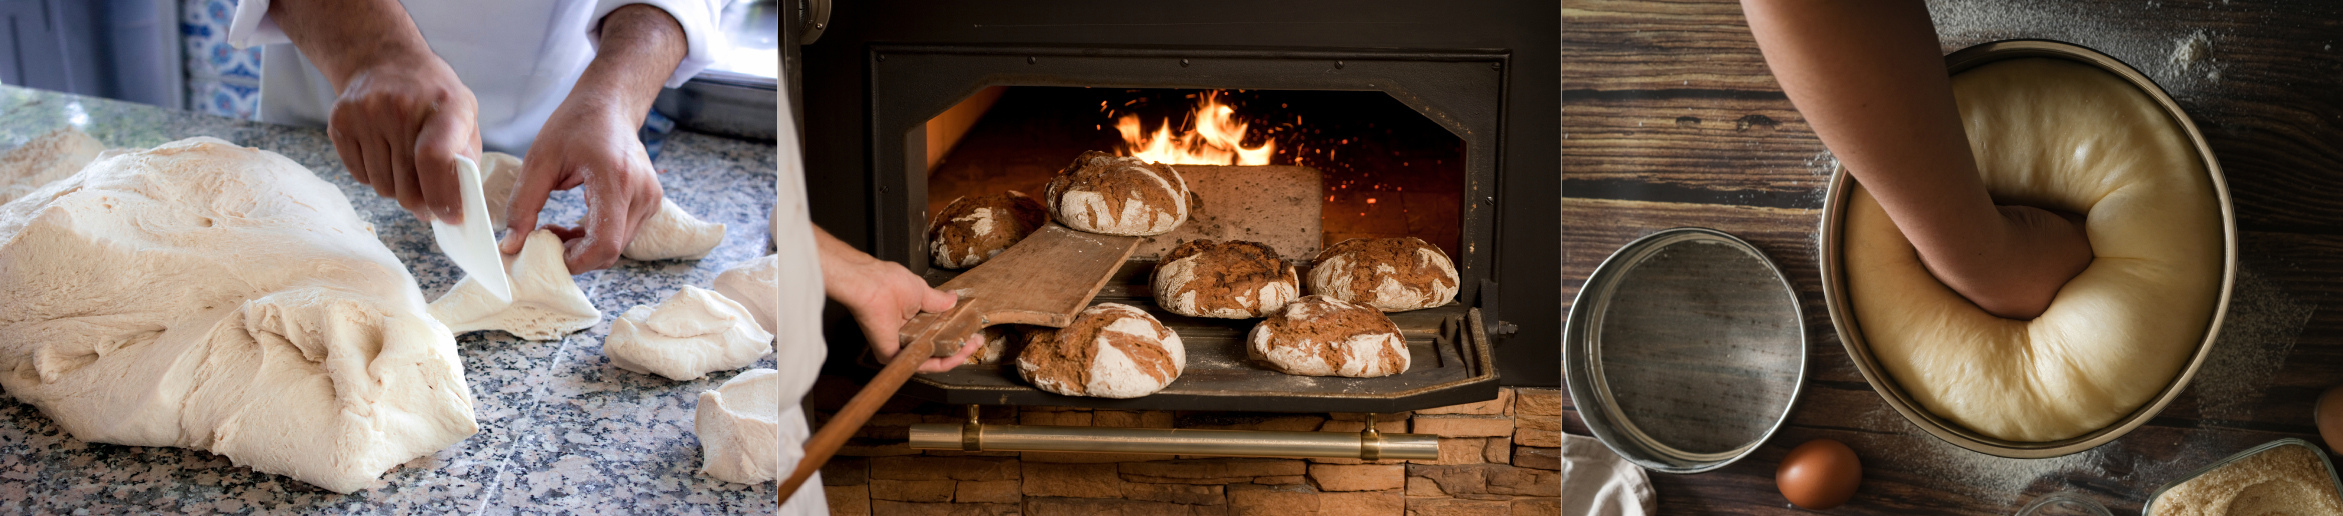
x=1231, y=443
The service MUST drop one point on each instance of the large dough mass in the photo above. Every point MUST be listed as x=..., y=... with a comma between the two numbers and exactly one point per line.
x=220, y=298
x=2061, y=135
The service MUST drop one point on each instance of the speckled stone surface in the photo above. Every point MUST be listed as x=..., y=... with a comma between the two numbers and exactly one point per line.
x=561, y=430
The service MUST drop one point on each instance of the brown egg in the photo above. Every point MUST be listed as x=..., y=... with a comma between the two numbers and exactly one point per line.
x=1820, y=474
x=2330, y=416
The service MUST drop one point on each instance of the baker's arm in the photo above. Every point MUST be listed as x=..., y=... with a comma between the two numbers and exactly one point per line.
x=400, y=115
x=590, y=140
x=883, y=295
x=1868, y=76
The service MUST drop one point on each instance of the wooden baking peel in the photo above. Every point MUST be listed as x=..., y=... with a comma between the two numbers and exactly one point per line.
x=1042, y=280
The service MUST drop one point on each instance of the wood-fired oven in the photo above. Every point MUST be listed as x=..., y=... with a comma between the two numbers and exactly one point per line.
x=1298, y=125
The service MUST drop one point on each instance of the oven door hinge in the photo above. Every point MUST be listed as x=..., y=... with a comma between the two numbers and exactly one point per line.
x=1496, y=328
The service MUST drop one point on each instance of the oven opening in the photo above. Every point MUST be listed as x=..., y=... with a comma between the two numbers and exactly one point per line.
x=1296, y=169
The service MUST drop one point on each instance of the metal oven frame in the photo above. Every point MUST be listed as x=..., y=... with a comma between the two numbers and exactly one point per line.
x=1483, y=71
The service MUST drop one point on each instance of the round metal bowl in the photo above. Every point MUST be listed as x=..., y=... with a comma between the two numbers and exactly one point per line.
x=1686, y=349
x=1834, y=285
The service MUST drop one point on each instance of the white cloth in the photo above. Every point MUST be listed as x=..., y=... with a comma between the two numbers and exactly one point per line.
x=519, y=57
x=1598, y=482
x=798, y=347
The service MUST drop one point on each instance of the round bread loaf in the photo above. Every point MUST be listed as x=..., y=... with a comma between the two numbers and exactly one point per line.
x=971, y=230
x=1390, y=274
x=996, y=338
x=1227, y=280
x=1110, y=351
x=1004, y=340
x=1323, y=336
x=1103, y=193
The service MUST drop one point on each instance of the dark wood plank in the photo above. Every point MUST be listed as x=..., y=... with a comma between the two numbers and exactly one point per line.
x=1659, y=103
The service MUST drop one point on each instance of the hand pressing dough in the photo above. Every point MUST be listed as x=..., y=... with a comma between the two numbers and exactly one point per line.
x=1323, y=336
x=739, y=427
x=972, y=230
x=221, y=298
x=691, y=333
x=1226, y=280
x=1103, y=193
x=546, y=304
x=668, y=235
x=1392, y=274
x=1110, y=351
x=45, y=160
x=2061, y=135
x=757, y=286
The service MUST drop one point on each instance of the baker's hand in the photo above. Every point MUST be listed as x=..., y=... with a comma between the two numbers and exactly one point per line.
x=593, y=146
x=2039, y=252
x=399, y=123
x=883, y=295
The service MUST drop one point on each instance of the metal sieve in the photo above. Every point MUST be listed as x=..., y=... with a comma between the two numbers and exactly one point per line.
x=1685, y=350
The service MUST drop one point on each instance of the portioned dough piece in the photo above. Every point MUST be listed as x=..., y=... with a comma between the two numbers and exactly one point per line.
x=546, y=304
x=757, y=286
x=674, y=234
x=2061, y=135
x=670, y=234
x=45, y=160
x=1110, y=351
x=691, y=333
x=221, y=298
x=739, y=426
x=1323, y=336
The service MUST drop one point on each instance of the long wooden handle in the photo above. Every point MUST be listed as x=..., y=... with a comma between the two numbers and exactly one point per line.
x=924, y=332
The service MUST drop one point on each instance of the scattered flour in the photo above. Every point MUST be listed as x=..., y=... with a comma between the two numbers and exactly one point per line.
x=1999, y=480
x=2258, y=332
x=2138, y=35
x=2193, y=53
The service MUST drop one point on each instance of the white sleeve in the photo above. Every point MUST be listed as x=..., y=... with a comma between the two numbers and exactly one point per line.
x=699, y=18
x=253, y=27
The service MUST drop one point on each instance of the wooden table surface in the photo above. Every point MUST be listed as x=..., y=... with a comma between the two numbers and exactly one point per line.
x=1670, y=119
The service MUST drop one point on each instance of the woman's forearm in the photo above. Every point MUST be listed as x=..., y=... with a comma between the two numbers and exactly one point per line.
x=1868, y=76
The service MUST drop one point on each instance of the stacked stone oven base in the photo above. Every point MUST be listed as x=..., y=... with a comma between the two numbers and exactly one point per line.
x=1498, y=458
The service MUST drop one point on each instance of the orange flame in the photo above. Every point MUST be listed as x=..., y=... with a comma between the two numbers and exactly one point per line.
x=1217, y=140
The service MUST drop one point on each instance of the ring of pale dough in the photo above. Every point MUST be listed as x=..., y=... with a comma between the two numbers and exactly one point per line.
x=2056, y=134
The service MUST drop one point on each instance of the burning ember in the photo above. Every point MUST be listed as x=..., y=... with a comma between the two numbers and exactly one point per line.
x=1217, y=138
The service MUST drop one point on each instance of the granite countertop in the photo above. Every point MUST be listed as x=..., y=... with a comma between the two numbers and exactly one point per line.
x=561, y=430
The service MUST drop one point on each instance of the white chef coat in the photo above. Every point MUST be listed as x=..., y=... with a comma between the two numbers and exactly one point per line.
x=519, y=57
x=798, y=347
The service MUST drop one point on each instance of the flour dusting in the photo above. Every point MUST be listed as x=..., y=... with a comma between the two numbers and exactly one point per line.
x=1995, y=479
x=2258, y=332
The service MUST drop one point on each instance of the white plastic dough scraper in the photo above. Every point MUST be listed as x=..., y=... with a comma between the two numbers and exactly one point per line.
x=472, y=244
